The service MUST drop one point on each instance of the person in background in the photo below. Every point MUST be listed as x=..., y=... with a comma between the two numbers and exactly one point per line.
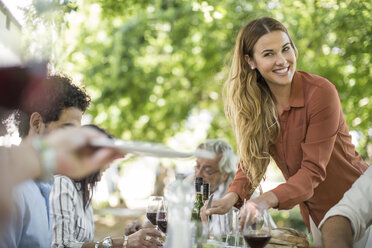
x=218, y=172
x=291, y=116
x=72, y=214
x=30, y=223
x=60, y=151
x=348, y=223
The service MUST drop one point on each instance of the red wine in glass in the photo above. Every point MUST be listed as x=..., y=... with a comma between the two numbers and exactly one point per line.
x=257, y=229
x=257, y=241
x=162, y=224
x=152, y=218
x=162, y=217
x=152, y=208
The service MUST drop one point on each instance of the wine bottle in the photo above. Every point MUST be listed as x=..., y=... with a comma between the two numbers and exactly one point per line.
x=206, y=192
x=198, y=204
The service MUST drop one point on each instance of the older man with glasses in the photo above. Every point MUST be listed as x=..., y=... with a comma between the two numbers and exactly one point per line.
x=218, y=172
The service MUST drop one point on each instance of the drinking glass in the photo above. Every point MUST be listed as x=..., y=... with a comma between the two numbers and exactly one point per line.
x=162, y=216
x=257, y=230
x=234, y=237
x=220, y=227
x=152, y=208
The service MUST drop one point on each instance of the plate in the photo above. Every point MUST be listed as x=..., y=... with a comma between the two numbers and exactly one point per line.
x=151, y=149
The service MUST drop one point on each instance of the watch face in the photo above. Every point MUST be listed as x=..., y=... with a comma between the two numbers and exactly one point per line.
x=107, y=242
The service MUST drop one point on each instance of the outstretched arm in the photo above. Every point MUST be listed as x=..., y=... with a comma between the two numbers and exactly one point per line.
x=219, y=206
x=265, y=201
x=74, y=157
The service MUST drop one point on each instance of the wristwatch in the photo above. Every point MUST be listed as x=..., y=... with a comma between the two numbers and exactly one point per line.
x=107, y=242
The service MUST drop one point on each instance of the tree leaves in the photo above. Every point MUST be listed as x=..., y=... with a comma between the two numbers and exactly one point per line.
x=149, y=64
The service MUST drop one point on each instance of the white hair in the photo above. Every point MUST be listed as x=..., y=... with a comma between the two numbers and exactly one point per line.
x=229, y=161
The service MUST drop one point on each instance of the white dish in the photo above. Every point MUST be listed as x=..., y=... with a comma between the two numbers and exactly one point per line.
x=149, y=149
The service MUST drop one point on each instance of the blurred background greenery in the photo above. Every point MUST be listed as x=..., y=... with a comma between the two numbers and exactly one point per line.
x=149, y=65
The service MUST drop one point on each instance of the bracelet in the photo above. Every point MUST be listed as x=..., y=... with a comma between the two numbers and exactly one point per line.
x=125, y=242
x=107, y=242
x=47, y=158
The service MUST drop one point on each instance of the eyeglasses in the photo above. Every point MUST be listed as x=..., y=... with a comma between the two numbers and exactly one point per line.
x=205, y=171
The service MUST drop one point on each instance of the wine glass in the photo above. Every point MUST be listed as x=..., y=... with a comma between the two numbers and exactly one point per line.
x=162, y=216
x=152, y=208
x=257, y=229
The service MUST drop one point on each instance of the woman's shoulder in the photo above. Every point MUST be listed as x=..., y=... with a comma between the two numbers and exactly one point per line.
x=61, y=179
x=313, y=81
x=319, y=91
x=64, y=185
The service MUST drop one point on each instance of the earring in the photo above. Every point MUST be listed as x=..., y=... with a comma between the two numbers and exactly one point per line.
x=252, y=67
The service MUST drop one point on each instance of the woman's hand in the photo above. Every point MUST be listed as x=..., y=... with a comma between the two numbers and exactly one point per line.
x=219, y=206
x=248, y=213
x=146, y=237
x=265, y=201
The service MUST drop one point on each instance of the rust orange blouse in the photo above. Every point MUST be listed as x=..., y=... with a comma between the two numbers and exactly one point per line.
x=313, y=151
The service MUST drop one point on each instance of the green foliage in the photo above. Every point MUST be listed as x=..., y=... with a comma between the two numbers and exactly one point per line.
x=149, y=64
x=152, y=68
x=44, y=19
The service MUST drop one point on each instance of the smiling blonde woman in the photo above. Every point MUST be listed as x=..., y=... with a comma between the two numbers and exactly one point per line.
x=291, y=116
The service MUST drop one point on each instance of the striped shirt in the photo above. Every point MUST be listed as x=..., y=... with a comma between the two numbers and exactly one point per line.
x=72, y=224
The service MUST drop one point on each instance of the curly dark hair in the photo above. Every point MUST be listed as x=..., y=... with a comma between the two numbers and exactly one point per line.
x=88, y=183
x=56, y=94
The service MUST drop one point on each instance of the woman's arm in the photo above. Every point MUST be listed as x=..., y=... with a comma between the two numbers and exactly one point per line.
x=219, y=206
x=265, y=201
x=238, y=191
x=240, y=186
x=323, y=111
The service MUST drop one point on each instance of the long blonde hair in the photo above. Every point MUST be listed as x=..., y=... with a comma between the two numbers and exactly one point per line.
x=249, y=103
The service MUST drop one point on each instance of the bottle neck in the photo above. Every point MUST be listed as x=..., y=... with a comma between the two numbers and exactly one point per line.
x=198, y=188
x=199, y=195
x=206, y=194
